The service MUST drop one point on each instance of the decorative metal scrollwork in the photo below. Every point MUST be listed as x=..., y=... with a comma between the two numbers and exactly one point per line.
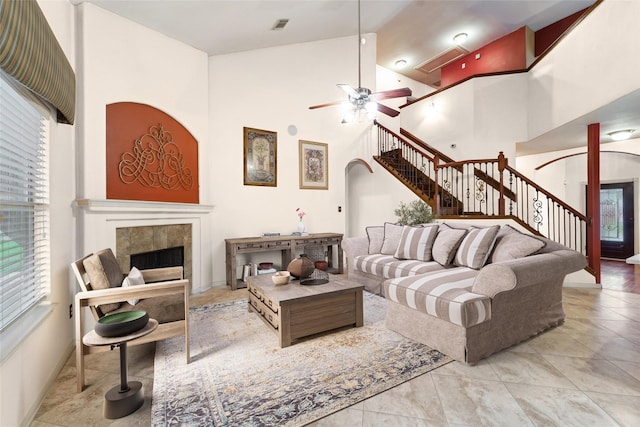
x=446, y=193
x=155, y=162
x=537, y=213
x=480, y=184
x=510, y=189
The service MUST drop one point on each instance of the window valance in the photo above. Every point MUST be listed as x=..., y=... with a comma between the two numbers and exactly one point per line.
x=30, y=53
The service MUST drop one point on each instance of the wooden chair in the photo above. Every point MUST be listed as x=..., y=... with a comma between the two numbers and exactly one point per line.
x=166, y=282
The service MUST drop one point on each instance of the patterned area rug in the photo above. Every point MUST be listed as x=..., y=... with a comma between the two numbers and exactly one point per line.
x=239, y=376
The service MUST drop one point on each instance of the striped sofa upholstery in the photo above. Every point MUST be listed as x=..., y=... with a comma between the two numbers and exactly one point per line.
x=388, y=267
x=445, y=294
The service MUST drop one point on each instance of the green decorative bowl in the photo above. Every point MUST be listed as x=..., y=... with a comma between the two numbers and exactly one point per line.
x=120, y=324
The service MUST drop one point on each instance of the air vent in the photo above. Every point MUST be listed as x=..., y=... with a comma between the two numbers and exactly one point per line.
x=280, y=24
x=442, y=59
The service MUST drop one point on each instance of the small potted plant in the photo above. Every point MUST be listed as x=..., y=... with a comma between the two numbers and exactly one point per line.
x=413, y=213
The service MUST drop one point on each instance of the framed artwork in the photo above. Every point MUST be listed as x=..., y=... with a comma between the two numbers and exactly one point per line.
x=314, y=165
x=260, y=154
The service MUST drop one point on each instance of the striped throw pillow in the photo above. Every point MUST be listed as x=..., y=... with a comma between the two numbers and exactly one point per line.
x=416, y=242
x=474, y=250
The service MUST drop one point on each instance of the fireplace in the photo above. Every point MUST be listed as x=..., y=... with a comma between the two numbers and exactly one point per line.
x=170, y=257
x=148, y=244
x=131, y=227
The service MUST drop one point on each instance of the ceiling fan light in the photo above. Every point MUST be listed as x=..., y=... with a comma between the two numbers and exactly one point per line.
x=349, y=116
x=371, y=107
x=460, y=38
x=621, y=135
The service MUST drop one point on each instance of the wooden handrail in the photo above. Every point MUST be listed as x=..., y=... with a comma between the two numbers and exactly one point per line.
x=418, y=142
x=485, y=187
x=549, y=195
x=424, y=145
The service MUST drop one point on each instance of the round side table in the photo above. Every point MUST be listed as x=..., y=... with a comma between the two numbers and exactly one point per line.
x=126, y=398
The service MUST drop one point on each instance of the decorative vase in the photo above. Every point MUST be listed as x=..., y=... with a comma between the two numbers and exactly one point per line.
x=321, y=265
x=301, y=267
x=301, y=226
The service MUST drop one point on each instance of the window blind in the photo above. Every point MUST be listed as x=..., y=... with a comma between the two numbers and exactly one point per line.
x=31, y=54
x=24, y=205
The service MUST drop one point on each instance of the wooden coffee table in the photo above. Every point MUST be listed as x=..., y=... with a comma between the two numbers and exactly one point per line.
x=294, y=311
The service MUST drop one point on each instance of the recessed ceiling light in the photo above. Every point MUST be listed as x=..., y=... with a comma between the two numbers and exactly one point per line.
x=460, y=38
x=621, y=135
x=400, y=63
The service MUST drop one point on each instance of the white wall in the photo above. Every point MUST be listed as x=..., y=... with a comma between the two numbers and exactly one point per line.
x=27, y=373
x=373, y=197
x=481, y=117
x=271, y=89
x=123, y=61
x=593, y=66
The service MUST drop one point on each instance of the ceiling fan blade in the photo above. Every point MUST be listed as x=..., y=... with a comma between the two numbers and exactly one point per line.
x=388, y=111
x=328, y=104
x=350, y=91
x=393, y=93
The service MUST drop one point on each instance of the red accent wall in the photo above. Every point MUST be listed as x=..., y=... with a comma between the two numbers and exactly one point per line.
x=150, y=155
x=504, y=54
x=549, y=34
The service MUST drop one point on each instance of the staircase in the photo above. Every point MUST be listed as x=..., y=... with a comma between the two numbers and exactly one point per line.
x=478, y=189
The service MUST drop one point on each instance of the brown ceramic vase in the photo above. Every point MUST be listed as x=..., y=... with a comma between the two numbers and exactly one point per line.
x=301, y=267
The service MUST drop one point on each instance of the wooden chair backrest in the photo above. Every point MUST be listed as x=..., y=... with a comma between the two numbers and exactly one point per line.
x=83, y=281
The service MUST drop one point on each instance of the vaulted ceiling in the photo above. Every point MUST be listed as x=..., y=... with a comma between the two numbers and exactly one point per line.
x=413, y=30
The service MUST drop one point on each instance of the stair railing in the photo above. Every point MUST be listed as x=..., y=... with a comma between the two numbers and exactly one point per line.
x=484, y=187
x=411, y=165
x=545, y=213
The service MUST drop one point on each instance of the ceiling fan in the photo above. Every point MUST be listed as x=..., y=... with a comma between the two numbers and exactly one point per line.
x=362, y=99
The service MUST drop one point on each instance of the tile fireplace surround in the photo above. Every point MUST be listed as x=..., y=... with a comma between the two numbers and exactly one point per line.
x=103, y=223
x=135, y=240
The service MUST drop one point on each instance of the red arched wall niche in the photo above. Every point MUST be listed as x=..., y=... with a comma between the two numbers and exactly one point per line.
x=150, y=156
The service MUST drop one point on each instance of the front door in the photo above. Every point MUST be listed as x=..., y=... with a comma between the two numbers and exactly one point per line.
x=616, y=220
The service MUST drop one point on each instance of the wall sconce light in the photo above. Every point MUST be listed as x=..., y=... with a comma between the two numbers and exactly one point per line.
x=460, y=38
x=621, y=135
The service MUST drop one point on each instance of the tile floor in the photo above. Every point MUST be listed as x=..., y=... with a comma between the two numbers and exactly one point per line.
x=583, y=373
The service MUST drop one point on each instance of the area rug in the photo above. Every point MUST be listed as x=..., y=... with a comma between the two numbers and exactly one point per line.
x=239, y=375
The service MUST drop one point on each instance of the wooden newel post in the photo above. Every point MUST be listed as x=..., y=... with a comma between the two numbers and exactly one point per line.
x=436, y=160
x=502, y=164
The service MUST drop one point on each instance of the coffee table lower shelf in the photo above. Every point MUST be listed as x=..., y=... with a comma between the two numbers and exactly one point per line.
x=295, y=311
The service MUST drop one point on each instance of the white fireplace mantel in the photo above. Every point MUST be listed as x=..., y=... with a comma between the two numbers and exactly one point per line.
x=132, y=206
x=98, y=220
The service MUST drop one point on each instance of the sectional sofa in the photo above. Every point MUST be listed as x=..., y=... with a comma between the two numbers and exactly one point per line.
x=464, y=290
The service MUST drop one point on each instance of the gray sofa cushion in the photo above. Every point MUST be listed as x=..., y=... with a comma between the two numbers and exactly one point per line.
x=446, y=295
x=512, y=244
x=386, y=266
x=375, y=233
x=416, y=242
x=476, y=246
x=392, y=234
x=446, y=244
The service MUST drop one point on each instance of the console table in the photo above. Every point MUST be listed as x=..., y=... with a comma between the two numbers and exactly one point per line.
x=287, y=245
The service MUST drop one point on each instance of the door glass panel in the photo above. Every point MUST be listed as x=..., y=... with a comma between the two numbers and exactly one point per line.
x=611, y=219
